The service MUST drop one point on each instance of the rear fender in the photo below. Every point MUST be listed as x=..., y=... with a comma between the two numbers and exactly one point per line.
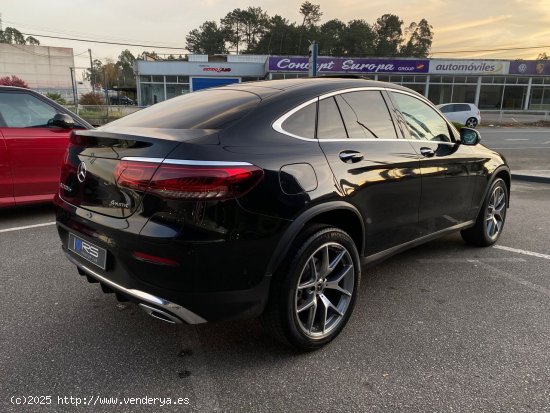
x=301, y=221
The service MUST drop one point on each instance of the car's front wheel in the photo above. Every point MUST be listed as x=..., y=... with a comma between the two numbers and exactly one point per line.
x=471, y=122
x=313, y=294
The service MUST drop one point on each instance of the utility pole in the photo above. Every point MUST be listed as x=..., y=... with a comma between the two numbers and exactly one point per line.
x=75, y=95
x=313, y=50
x=91, y=70
x=106, y=94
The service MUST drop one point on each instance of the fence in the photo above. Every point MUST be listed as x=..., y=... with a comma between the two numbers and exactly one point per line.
x=514, y=116
x=102, y=114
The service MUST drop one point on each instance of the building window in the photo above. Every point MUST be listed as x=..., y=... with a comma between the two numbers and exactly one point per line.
x=514, y=97
x=464, y=93
x=151, y=93
x=440, y=94
x=173, y=90
x=540, y=98
x=490, y=96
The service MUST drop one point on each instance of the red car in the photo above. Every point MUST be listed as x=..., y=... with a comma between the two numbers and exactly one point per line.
x=34, y=134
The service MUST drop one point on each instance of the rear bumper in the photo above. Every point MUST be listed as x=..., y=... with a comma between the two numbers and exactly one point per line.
x=189, y=307
x=180, y=312
x=220, y=253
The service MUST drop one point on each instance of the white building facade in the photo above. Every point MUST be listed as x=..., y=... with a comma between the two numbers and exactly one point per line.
x=43, y=68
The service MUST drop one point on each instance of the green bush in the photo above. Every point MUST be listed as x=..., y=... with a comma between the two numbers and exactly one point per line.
x=56, y=97
x=457, y=125
x=91, y=98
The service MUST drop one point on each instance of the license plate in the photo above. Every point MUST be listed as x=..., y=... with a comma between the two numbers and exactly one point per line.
x=90, y=252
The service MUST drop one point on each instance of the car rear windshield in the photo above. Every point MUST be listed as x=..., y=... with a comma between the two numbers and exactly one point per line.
x=209, y=109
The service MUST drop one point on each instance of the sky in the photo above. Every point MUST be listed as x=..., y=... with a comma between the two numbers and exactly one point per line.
x=459, y=26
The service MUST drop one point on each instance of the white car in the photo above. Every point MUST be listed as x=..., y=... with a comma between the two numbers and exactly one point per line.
x=465, y=113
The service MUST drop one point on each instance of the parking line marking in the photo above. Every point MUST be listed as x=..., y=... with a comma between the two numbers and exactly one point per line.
x=27, y=227
x=468, y=260
x=518, y=280
x=517, y=139
x=522, y=147
x=524, y=252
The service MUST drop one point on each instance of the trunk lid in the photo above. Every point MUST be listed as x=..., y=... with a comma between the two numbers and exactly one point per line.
x=92, y=165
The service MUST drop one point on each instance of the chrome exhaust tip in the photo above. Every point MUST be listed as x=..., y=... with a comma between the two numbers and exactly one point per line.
x=159, y=314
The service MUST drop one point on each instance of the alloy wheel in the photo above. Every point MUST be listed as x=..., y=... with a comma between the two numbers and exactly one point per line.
x=324, y=290
x=496, y=210
x=471, y=123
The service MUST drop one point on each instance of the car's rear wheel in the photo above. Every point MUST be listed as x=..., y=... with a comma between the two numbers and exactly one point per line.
x=491, y=218
x=313, y=294
x=471, y=122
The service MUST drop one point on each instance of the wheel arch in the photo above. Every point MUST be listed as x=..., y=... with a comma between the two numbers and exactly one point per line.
x=504, y=173
x=339, y=214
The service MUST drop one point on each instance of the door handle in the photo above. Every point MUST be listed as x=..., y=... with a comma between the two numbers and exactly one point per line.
x=427, y=152
x=351, y=156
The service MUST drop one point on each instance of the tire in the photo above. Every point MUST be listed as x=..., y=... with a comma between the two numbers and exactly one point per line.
x=310, y=303
x=471, y=123
x=491, y=218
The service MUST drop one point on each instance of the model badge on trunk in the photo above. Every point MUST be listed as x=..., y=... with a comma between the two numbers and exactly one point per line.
x=118, y=204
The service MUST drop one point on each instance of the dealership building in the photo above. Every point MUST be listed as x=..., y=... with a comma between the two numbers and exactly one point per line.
x=490, y=84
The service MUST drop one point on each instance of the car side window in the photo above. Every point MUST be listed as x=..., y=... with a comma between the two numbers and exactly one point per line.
x=447, y=108
x=462, y=108
x=366, y=115
x=422, y=121
x=330, y=125
x=22, y=110
x=302, y=122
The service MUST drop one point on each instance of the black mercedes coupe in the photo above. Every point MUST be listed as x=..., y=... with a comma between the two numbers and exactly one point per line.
x=268, y=198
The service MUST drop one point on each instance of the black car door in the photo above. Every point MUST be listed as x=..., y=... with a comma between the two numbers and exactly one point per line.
x=445, y=164
x=373, y=169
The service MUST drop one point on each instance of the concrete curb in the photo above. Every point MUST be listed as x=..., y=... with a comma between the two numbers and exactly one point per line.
x=531, y=178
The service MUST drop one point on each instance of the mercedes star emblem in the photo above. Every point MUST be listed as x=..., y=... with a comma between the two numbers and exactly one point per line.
x=81, y=172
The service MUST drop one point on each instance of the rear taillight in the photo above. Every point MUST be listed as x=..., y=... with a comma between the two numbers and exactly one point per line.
x=188, y=181
x=135, y=175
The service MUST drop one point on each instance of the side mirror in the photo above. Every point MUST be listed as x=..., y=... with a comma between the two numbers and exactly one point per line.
x=62, y=120
x=469, y=136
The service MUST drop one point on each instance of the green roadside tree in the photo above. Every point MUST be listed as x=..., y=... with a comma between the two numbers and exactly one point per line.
x=420, y=40
x=209, y=39
x=388, y=35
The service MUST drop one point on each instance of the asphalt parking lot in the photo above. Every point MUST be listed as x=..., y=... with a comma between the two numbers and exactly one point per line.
x=442, y=327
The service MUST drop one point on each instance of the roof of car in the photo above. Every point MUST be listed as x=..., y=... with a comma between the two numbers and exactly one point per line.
x=307, y=86
x=2, y=87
